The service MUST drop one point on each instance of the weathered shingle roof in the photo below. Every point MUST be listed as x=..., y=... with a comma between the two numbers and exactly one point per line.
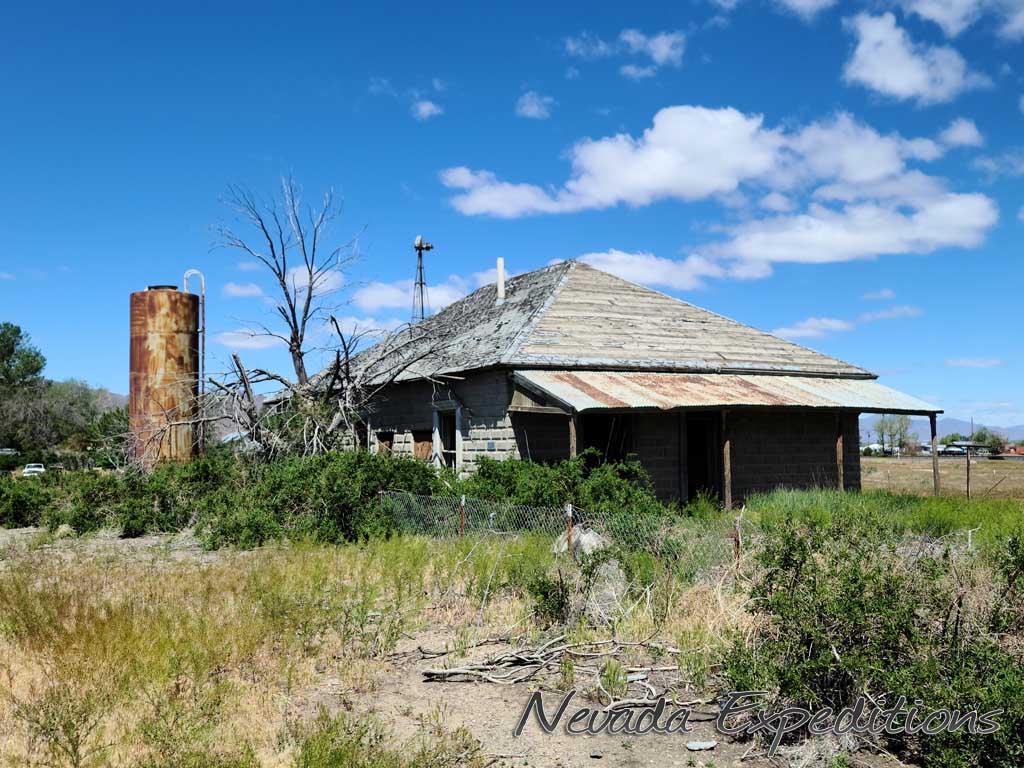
x=571, y=315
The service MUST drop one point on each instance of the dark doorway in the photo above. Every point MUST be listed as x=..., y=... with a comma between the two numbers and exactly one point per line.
x=610, y=433
x=701, y=455
x=446, y=429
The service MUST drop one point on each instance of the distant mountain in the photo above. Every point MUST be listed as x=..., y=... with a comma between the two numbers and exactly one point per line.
x=945, y=426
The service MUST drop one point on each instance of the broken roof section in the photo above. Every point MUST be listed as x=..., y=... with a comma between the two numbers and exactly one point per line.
x=571, y=315
x=621, y=390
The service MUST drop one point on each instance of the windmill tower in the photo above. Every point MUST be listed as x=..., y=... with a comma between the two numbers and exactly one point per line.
x=420, y=301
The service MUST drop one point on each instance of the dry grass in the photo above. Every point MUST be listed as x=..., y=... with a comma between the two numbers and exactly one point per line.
x=112, y=658
x=994, y=479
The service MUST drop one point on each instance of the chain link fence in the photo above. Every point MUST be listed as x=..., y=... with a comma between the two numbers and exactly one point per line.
x=700, y=542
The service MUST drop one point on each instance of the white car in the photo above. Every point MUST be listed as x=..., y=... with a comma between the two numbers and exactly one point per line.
x=31, y=470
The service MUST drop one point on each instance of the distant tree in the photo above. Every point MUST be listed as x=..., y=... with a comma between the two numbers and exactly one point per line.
x=901, y=434
x=990, y=437
x=882, y=428
x=49, y=414
x=21, y=364
x=953, y=437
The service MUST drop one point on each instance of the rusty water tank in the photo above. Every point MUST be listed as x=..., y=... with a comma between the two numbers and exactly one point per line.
x=164, y=374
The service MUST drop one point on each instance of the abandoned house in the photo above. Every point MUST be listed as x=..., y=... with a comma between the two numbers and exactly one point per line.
x=568, y=357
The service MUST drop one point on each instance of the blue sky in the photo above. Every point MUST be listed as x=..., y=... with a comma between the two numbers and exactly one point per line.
x=848, y=174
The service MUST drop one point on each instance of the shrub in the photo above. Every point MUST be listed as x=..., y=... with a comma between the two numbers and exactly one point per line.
x=551, y=598
x=22, y=501
x=362, y=742
x=845, y=609
x=327, y=498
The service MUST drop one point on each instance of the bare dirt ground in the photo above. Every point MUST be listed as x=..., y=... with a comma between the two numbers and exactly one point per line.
x=394, y=688
x=990, y=478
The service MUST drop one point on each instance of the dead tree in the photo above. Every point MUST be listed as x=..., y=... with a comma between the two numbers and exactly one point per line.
x=324, y=413
x=290, y=240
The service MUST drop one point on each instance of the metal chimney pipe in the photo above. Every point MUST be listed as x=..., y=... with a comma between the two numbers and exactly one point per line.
x=501, y=281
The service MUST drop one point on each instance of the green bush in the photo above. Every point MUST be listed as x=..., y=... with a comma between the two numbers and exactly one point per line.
x=845, y=609
x=22, y=501
x=328, y=498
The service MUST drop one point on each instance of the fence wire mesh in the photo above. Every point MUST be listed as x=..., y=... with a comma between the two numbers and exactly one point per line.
x=695, y=541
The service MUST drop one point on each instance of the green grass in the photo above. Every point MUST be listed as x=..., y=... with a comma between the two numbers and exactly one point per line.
x=993, y=520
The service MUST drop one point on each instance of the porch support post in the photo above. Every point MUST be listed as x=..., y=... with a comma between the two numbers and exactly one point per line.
x=935, y=454
x=573, y=437
x=839, y=451
x=726, y=461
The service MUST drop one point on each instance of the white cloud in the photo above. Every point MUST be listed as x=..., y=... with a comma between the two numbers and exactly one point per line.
x=689, y=153
x=438, y=84
x=424, y=109
x=660, y=49
x=327, y=282
x=954, y=16
x=587, y=46
x=7, y=275
x=974, y=362
x=648, y=269
x=962, y=133
x=897, y=312
x=862, y=230
x=814, y=328
x=250, y=266
x=242, y=290
x=880, y=295
x=840, y=189
x=1020, y=105
x=1010, y=163
x=637, y=72
x=778, y=202
x=534, y=106
x=381, y=86
x=378, y=295
x=819, y=327
x=887, y=61
x=244, y=338
x=806, y=8
x=366, y=326
x=1020, y=217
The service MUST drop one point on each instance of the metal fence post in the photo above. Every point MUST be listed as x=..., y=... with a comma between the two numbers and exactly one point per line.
x=568, y=529
x=462, y=516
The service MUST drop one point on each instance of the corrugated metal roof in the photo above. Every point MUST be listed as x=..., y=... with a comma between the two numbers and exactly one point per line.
x=611, y=390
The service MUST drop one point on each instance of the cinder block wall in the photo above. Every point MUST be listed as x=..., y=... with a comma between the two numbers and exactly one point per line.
x=791, y=449
x=656, y=442
x=486, y=427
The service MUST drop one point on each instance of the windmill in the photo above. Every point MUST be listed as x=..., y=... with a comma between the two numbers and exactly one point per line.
x=419, y=291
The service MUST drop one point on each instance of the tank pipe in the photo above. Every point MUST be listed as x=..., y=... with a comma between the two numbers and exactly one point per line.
x=202, y=330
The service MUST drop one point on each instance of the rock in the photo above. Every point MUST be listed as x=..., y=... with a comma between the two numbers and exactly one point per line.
x=701, y=746
x=584, y=542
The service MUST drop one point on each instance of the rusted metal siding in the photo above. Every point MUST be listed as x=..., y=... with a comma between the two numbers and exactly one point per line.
x=622, y=390
x=164, y=373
